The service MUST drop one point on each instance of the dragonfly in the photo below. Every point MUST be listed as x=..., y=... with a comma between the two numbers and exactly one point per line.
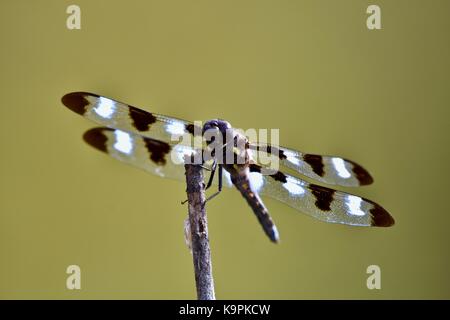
x=145, y=140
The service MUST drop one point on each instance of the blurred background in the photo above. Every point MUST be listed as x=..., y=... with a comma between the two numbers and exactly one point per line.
x=310, y=68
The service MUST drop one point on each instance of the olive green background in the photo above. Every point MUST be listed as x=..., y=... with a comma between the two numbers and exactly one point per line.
x=310, y=68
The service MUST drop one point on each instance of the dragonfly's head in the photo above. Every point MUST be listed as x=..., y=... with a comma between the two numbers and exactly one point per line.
x=211, y=128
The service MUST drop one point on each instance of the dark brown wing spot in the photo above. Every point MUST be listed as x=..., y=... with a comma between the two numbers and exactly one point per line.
x=141, y=119
x=380, y=217
x=96, y=138
x=271, y=150
x=157, y=149
x=255, y=168
x=324, y=196
x=192, y=129
x=279, y=176
x=316, y=163
x=281, y=155
x=361, y=174
x=275, y=151
x=76, y=101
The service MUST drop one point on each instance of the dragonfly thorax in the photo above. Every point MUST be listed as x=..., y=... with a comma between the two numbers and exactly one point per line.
x=225, y=144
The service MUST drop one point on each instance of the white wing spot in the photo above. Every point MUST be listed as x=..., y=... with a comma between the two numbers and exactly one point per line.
x=175, y=128
x=105, y=108
x=124, y=142
x=256, y=181
x=339, y=165
x=292, y=157
x=354, y=205
x=293, y=187
x=178, y=153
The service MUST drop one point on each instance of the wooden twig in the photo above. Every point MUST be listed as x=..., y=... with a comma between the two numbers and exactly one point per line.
x=199, y=232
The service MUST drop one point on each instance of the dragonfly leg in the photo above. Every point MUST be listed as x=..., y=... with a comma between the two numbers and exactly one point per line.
x=220, y=173
x=211, y=177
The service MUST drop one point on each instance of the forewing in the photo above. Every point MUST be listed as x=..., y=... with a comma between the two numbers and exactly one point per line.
x=326, y=169
x=118, y=115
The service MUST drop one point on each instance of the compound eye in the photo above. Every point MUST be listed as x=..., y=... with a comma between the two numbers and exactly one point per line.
x=211, y=125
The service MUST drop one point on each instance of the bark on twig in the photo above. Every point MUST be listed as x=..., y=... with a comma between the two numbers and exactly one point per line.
x=199, y=232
